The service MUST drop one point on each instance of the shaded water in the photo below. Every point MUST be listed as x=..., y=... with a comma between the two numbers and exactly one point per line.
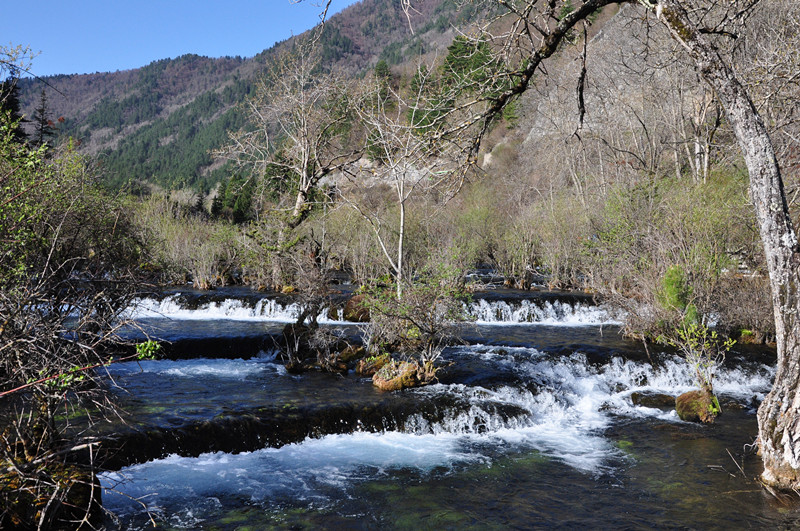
x=538, y=424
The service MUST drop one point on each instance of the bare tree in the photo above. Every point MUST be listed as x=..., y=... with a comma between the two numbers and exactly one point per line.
x=298, y=133
x=405, y=158
x=298, y=124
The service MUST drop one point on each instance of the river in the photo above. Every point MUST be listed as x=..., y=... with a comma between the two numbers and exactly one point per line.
x=547, y=418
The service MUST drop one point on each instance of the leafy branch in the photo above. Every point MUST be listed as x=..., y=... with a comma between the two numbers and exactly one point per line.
x=144, y=351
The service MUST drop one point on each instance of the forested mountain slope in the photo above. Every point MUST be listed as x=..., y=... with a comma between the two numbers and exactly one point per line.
x=158, y=123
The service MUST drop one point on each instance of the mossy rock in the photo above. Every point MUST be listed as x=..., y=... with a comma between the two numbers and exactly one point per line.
x=369, y=366
x=333, y=313
x=654, y=400
x=355, y=311
x=698, y=406
x=750, y=337
x=352, y=353
x=396, y=376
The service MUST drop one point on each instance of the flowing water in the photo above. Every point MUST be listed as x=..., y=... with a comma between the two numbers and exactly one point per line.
x=547, y=418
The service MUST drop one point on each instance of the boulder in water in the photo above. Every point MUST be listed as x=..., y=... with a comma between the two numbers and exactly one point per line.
x=355, y=311
x=396, y=376
x=352, y=353
x=654, y=400
x=698, y=406
x=369, y=366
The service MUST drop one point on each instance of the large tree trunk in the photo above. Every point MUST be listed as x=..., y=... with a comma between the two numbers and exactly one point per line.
x=779, y=414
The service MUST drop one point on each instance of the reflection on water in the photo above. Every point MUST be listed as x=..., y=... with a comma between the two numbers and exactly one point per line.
x=534, y=426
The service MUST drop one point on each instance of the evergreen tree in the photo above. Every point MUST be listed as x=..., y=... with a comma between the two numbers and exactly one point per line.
x=44, y=126
x=216, y=206
x=469, y=62
x=241, y=207
x=198, y=208
x=382, y=70
x=10, y=109
x=384, y=75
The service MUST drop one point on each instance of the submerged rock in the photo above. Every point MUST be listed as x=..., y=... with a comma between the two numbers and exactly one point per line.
x=654, y=400
x=698, y=406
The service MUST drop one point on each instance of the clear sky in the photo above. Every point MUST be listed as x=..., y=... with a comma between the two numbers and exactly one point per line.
x=86, y=36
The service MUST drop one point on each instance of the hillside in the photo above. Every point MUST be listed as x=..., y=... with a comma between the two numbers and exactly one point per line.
x=158, y=123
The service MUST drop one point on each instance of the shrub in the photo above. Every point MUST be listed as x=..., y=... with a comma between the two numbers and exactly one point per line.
x=68, y=268
x=420, y=323
x=703, y=349
x=187, y=245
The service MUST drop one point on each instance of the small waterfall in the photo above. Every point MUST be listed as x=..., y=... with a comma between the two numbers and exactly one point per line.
x=174, y=307
x=535, y=311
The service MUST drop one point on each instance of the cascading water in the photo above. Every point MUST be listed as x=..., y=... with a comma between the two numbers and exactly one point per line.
x=557, y=313
x=170, y=307
x=569, y=311
x=509, y=433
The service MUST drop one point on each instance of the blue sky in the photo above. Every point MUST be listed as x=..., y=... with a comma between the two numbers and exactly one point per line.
x=106, y=35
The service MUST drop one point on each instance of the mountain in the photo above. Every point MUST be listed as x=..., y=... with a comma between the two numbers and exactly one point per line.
x=158, y=123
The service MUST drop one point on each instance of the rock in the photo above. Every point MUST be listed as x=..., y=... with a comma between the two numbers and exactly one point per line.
x=369, y=366
x=733, y=405
x=655, y=400
x=352, y=353
x=394, y=377
x=333, y=313
x=698, y=406
x=355, y=311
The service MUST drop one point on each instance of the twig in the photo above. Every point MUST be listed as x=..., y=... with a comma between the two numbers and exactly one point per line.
x=736, y=463
x=81, y=369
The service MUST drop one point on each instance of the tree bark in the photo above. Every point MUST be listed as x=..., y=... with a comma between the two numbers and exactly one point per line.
x=779, y=414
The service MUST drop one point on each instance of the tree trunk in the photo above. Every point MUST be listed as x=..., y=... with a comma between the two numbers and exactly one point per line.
x=400, y=241
x=779, y=414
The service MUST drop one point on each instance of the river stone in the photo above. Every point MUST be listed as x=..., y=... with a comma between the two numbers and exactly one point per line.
x=654, y=400
x=369, y=366
x=697, y=406
x=352, y=353
x=354, y=310
x=333, y=313
x=395, y=378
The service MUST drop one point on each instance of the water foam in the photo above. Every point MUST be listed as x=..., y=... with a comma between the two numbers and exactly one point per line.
x=234, y=309
x=485, y=312
x=537, y=312
x=304, y=471
x=198, y=368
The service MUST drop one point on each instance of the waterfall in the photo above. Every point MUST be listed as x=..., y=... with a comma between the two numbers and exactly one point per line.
x=522, y=311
